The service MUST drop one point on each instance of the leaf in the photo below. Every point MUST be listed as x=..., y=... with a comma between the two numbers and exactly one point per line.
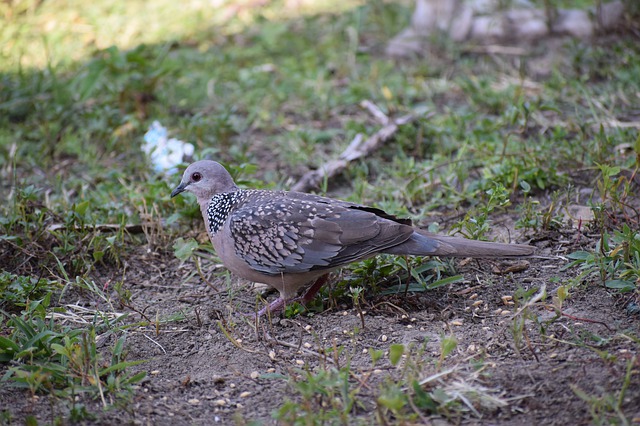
x=622, y=285
x=386, y=92
x=89, y=81
x=580, y=255
x=375, y=354
x=422, y=399
x=135, y=378
x=278, y=376
x=184, y=249
x=447, y=345
x=121, y=366
x=395, y=402
x=81, y=208
x=445, y=281
x=562, y=293
x=60, y=350
x=7, y=345
x=395, y=353
x=98, y=255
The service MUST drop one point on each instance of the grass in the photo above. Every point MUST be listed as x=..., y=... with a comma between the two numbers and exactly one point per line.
x=272, y=92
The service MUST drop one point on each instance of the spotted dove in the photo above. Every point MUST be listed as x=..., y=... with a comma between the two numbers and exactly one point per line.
x=292, y=240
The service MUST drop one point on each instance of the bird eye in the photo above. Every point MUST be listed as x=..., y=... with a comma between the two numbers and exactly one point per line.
x=196, y=177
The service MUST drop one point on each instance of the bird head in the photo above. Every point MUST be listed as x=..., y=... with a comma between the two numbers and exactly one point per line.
x=204, y=179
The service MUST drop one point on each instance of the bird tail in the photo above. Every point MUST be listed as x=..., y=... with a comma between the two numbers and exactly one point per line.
x=422, y=243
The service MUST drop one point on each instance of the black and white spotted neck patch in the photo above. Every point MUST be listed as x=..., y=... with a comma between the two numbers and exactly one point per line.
x=220, y=207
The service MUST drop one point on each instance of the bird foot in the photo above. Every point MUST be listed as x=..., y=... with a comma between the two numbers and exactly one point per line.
x=280, y=304
x=276, y=306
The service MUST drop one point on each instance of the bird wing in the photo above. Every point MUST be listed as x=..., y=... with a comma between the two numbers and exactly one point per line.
x=290, y=232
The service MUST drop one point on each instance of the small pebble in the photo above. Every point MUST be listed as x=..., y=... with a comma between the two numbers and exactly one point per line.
x=254, y=375
x=245, y=394
x=194, y=401
x=384, y=338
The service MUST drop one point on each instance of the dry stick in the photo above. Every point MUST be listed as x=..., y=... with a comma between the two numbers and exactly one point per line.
x=298, y=347
x=497, y=49
x=358, y=148
x=203, y=278
x=574, y=318
x=156, y=343
x=102, y=227
x=375, y=111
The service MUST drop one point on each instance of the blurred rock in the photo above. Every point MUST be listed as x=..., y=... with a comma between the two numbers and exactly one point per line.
x=486, y=21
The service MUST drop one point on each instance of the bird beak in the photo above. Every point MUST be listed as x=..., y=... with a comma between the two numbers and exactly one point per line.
x=180, y=188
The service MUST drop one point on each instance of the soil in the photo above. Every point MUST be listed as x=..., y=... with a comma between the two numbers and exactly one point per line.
x=218, y=367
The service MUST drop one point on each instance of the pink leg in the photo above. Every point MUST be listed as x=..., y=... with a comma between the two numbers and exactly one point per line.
x=314, y=289
x=279, y=304
x=273, y=307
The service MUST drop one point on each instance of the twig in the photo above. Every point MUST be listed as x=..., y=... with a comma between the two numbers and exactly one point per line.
x=402, y=311
x=375, y=111
x=232, y=339
x=497, y=49
x=102, y=227
x=536, y=298
x=298, y=347
x=358, y=148
x=156, y=343
x=206, y=281
x=574, y=318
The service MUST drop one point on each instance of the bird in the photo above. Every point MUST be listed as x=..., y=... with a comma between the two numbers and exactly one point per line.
x=291, y=241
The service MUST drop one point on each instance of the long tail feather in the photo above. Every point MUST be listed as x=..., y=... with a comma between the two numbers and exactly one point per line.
x=423, y=243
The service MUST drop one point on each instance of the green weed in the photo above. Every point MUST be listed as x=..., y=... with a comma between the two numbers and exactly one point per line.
x=615, y=261
x=608, y=408
x=48, y=357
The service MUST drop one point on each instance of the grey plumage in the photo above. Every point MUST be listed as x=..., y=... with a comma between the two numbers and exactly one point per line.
x=289, y=239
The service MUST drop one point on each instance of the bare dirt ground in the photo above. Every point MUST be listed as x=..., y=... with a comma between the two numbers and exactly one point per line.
x=217, y=367
x=199, y=374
